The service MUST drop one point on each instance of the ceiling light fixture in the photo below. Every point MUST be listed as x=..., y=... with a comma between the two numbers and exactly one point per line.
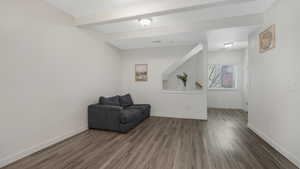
x=228, y=45
x=145, y=21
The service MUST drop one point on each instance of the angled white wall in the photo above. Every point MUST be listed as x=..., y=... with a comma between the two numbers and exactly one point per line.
x=274, y=93
x=193, y=68
x=50, y=72
x=182, y=60
x=191, y=105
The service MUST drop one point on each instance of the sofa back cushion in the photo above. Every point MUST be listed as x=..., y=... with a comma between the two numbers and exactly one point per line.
x=114, y=101
x=126, y=100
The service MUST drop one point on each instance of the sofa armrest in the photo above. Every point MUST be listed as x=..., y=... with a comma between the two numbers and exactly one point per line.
x=104, y=117
x=145, y=107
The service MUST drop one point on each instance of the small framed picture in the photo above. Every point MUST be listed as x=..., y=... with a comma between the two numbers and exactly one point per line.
x=141, y=72
x=267, y=39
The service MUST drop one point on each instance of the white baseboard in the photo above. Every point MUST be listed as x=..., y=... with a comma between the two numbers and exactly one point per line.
x=180, y=116
x=229, y=108
x=14, y=157
x=276, y=146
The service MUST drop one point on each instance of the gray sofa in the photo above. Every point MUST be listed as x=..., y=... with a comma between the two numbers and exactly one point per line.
x=117, y=113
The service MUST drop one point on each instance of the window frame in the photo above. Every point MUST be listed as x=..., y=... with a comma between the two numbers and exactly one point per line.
x=236, y=75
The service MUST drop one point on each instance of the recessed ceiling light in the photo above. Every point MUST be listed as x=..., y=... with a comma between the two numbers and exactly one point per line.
x=228, y=45
x=145, y=21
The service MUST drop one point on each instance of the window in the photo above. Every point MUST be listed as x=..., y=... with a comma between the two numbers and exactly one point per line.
x=222, y=76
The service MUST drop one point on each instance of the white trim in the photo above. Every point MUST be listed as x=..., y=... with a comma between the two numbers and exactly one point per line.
x=199, y=116
x=229, y=108
x=224, y=89
x=184, y=92
x=276, y=146
x=23, y=153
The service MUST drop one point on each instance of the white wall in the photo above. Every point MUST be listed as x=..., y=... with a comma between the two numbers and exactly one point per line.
x=245, y=80
x=274, y=94
x=227, y=98
x=171, y=104
x=50, y=71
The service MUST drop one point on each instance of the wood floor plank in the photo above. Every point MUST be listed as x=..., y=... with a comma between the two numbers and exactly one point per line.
x=222, y=142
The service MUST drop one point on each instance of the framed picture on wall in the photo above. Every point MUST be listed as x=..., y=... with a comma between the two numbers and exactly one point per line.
x=141, y=72
x=267, y=39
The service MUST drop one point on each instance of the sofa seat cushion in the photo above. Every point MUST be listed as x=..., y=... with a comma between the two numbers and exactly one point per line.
x=131, y=115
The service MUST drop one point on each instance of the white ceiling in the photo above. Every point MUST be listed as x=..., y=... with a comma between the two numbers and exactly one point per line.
x=80, y=8
x=175, y=22
x=239, y=35
x=180, y=39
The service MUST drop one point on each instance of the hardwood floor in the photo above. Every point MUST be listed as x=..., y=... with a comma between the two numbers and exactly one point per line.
x=222, y=142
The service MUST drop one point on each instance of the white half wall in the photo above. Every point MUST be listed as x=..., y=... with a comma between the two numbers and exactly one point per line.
x=50, y=72
x=227, y=98
x=178, y=104
x=274, y=92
